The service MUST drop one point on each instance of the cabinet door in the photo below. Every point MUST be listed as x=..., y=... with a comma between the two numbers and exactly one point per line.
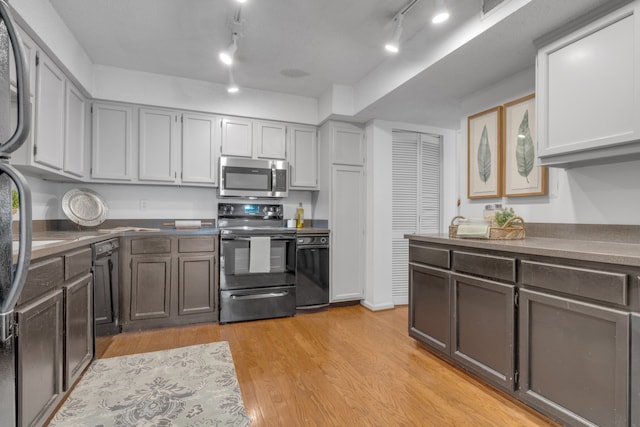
x=237, y=137
x=157, y=145
x=49, y=120
x=635, y=370
x=347, y=236
x=429, y=307
x=348, y=145
x=196, y=292
x=579, y=79
x=29, y=48
x=150, y=287
x=303, y=157
x=482, y=332
x=574, y=360
x=199, y=149
x=78, y=327
x=111, y=141
x=40, y=335
x=102, y=298
x=74, y=142
x=270, y=140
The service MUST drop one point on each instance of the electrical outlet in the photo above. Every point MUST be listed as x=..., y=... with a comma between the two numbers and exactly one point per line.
x=143, y=204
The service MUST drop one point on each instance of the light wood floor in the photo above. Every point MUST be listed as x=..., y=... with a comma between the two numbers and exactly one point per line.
x=347, y=366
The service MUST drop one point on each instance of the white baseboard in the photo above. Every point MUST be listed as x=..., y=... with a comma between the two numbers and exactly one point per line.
x=372, y=307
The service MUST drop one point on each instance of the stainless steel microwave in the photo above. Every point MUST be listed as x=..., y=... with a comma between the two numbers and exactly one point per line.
x=253, y=177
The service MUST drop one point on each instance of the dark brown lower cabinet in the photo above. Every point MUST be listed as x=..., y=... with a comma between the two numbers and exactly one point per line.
x=78, y=327
x=429, y=307
x=150, y=287
x=482, y=329
x=574, y=359
x=196, y=274
x=40, y=346
x=635, y=370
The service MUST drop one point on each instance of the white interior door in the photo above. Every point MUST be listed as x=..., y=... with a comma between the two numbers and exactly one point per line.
x=416, y=188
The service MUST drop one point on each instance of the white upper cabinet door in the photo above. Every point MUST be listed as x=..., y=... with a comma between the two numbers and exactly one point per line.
x=49, y=120
x=588, y=90
x=348, y=145
x=74, y=132
x=157, y=145
x=237, y=137
x=303, y=157
x=29, y=48
x=111, y=141
x=270, y=140
x=199, y=146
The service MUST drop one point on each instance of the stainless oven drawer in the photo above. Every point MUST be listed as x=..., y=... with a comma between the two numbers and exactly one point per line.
x=253, y=304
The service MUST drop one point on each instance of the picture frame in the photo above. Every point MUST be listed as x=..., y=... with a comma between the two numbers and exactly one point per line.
x=484, y=154
x=521, y=177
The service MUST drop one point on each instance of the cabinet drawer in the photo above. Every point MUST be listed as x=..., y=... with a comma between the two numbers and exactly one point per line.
x=76, y=263
x=42, y=277
x=197, y=244
x=429, y=255
x=496, y=267
x=151, y=245
x=598, y=285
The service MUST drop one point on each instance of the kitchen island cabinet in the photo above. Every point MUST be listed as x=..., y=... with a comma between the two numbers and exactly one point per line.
x=168, y=281
x=574, y=344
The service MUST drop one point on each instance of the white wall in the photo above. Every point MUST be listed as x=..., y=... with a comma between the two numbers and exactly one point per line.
x=604, y=194
x=161, y=202
x=379, y=195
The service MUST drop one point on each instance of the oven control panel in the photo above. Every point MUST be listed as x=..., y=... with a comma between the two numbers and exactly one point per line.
x=249, y=210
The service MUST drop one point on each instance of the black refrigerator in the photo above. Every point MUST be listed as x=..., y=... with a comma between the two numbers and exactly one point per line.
x=14, y=102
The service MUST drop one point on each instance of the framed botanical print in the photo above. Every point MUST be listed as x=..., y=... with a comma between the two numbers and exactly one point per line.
x=484, y=154
x=521, y=176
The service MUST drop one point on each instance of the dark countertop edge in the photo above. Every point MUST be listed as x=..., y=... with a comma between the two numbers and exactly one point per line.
x=312, y=230
x=625, y=254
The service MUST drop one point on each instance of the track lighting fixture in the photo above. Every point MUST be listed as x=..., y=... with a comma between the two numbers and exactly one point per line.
x=393, y=45
x=441, y=13
x=241, y=1
x=226, y=56
x=232, y=87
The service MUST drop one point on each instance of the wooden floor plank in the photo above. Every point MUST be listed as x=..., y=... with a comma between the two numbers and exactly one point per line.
x=345, y=366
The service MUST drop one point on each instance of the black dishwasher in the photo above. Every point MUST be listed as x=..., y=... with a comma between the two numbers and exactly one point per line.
x=105, y=287
x=312, y=272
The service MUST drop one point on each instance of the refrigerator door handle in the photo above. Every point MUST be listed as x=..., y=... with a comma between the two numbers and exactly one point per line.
x=22, y=82
x=24, y=251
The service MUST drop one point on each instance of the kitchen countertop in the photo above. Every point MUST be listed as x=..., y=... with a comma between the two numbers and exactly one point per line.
x=312, y=230
x=60, y=241
x=606, y=252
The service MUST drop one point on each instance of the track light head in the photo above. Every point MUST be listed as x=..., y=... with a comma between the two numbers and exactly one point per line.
x=441, y=13
x=226, y=56
x=393, y=45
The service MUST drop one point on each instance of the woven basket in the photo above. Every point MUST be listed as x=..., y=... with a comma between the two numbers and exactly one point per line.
x=506, y=232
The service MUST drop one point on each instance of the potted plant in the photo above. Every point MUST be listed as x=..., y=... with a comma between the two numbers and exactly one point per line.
x=15, y=202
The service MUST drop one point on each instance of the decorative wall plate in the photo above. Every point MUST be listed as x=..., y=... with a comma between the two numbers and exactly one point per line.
x=84, y=207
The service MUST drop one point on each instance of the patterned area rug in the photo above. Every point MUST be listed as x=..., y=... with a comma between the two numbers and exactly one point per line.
x=183, y=387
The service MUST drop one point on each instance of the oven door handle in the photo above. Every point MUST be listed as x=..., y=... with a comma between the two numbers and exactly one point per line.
x=261, y=296
x=303, y=247
x=248, y=239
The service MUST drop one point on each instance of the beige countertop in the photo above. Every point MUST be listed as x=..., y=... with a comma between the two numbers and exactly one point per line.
x=606, y=252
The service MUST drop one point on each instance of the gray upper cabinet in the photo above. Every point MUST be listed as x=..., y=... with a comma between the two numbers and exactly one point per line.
x=50, y=117
x=74, y=131
x=111, y=141
x=157, y=145
x=348, y=145
x=574, y=360
x=237, y=137
x=303, y=157
x=588, y=94
x=200, y=149
x=269, y=140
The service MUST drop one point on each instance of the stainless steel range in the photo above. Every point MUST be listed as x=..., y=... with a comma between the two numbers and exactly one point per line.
x=257, y=263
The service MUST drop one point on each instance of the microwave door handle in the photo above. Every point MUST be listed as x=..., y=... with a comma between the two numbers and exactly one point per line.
x=274, y=175
x=22, y=82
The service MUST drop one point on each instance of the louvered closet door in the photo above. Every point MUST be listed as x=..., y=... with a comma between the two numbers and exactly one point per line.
x=415, y=199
